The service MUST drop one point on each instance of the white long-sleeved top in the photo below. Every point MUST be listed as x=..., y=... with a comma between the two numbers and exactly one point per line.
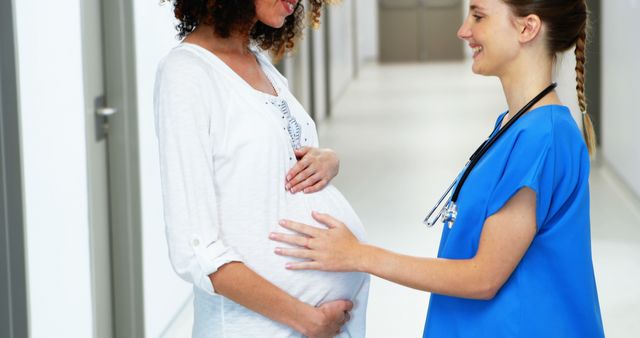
x=225, y=149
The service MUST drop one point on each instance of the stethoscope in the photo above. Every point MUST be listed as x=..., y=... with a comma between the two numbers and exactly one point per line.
x=449, y=212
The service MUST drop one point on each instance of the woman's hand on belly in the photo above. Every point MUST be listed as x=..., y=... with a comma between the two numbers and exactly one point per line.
x=242, y=285
x=315, y=169
x=331, y=249
x=331, y=316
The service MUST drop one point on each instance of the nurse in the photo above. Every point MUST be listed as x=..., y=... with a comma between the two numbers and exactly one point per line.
x=517, y=260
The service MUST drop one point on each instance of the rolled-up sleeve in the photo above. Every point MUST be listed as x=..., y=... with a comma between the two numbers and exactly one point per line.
x=184, y=101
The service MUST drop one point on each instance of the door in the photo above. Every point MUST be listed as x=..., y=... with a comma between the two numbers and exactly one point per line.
x=112, y=149
x=399, y=22
x=420, y=30
x=438, y=26
x=97, y=156
x=13, y=281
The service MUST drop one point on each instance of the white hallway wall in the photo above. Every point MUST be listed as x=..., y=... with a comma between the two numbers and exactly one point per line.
x=346, y=51
x=341, y=51
x=620, y=88
x=367, y=30
x=52, y=129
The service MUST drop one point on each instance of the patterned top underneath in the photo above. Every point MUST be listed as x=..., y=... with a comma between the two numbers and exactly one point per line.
x=293, y=127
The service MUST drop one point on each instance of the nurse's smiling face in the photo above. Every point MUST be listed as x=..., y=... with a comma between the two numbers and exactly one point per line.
x=274, y=12
x=491, y=32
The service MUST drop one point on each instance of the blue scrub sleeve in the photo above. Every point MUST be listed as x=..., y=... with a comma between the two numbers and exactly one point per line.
x=528, y=165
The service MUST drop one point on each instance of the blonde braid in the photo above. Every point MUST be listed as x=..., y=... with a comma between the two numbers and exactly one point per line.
x=587, y=125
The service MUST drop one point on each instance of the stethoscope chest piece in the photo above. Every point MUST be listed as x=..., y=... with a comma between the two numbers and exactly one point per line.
x=449, y=214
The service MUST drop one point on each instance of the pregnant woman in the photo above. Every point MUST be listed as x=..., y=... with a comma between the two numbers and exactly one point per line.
x=237, y=153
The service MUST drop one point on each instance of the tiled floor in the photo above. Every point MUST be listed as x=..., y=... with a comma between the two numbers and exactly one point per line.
x=402, y=133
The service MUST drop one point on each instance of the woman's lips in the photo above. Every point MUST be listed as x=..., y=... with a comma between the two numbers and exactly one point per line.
x=289, y=5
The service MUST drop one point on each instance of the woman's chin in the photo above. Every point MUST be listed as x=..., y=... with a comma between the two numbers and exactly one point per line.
x=275, y=23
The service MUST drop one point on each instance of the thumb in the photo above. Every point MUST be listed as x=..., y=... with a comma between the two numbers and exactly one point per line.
x=300, y=152
x=348, y=305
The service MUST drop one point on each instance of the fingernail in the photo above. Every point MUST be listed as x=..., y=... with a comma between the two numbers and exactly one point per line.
x=288, y=265
x=287, y=186
x=272, y=235
x=305, y=190
x=282, y=222
x=277, y=250
x=288, y=178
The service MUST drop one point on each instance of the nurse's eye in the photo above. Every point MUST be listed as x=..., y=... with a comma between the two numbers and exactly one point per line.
x=477, y=18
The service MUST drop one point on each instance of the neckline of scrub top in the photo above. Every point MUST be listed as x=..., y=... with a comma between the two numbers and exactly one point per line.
x=232, y=74
x=524, y=116
x=502, y=116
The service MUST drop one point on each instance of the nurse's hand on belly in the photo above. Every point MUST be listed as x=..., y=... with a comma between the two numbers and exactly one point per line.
x=331, y=249
x=506, y=237
x=315, y=169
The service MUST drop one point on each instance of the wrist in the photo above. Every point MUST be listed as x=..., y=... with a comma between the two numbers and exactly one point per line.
x=364, y=257
x=336, y=160
x=307, y=319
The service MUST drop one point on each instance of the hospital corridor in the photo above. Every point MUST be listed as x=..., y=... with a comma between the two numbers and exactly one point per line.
x=86, y=250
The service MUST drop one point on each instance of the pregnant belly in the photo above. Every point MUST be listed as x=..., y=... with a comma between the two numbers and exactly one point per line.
x=312, y=287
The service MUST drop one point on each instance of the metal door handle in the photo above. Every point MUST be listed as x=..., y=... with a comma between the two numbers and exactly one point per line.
x=106, y=111
x=102, y=117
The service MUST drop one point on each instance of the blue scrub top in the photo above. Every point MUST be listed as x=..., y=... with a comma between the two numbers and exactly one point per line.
x=552, y=291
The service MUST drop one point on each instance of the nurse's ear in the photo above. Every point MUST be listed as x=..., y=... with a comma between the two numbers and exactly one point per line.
x=529, y=28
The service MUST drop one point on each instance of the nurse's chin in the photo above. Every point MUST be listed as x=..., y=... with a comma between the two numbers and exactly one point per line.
x=479, y=69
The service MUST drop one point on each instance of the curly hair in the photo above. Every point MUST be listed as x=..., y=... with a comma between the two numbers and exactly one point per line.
x=229, y=16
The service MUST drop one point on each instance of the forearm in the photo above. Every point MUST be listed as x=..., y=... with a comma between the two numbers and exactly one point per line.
x=505, y=238
x=459, y=278
x=242, y=285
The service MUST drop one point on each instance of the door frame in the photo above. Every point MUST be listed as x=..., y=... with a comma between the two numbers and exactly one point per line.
x=14, y=317
x=124, y=168
x=327, y=62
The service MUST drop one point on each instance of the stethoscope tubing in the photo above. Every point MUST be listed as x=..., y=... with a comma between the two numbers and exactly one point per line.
x=426, y=221
x=475, y=158
x=488, y=143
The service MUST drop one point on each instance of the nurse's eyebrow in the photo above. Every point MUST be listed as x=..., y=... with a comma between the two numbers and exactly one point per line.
x=477, y=10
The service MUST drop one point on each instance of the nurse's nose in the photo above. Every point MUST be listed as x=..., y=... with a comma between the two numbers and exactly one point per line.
x=464, y=32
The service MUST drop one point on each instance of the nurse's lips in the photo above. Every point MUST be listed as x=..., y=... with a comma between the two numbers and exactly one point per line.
x=477, y=49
